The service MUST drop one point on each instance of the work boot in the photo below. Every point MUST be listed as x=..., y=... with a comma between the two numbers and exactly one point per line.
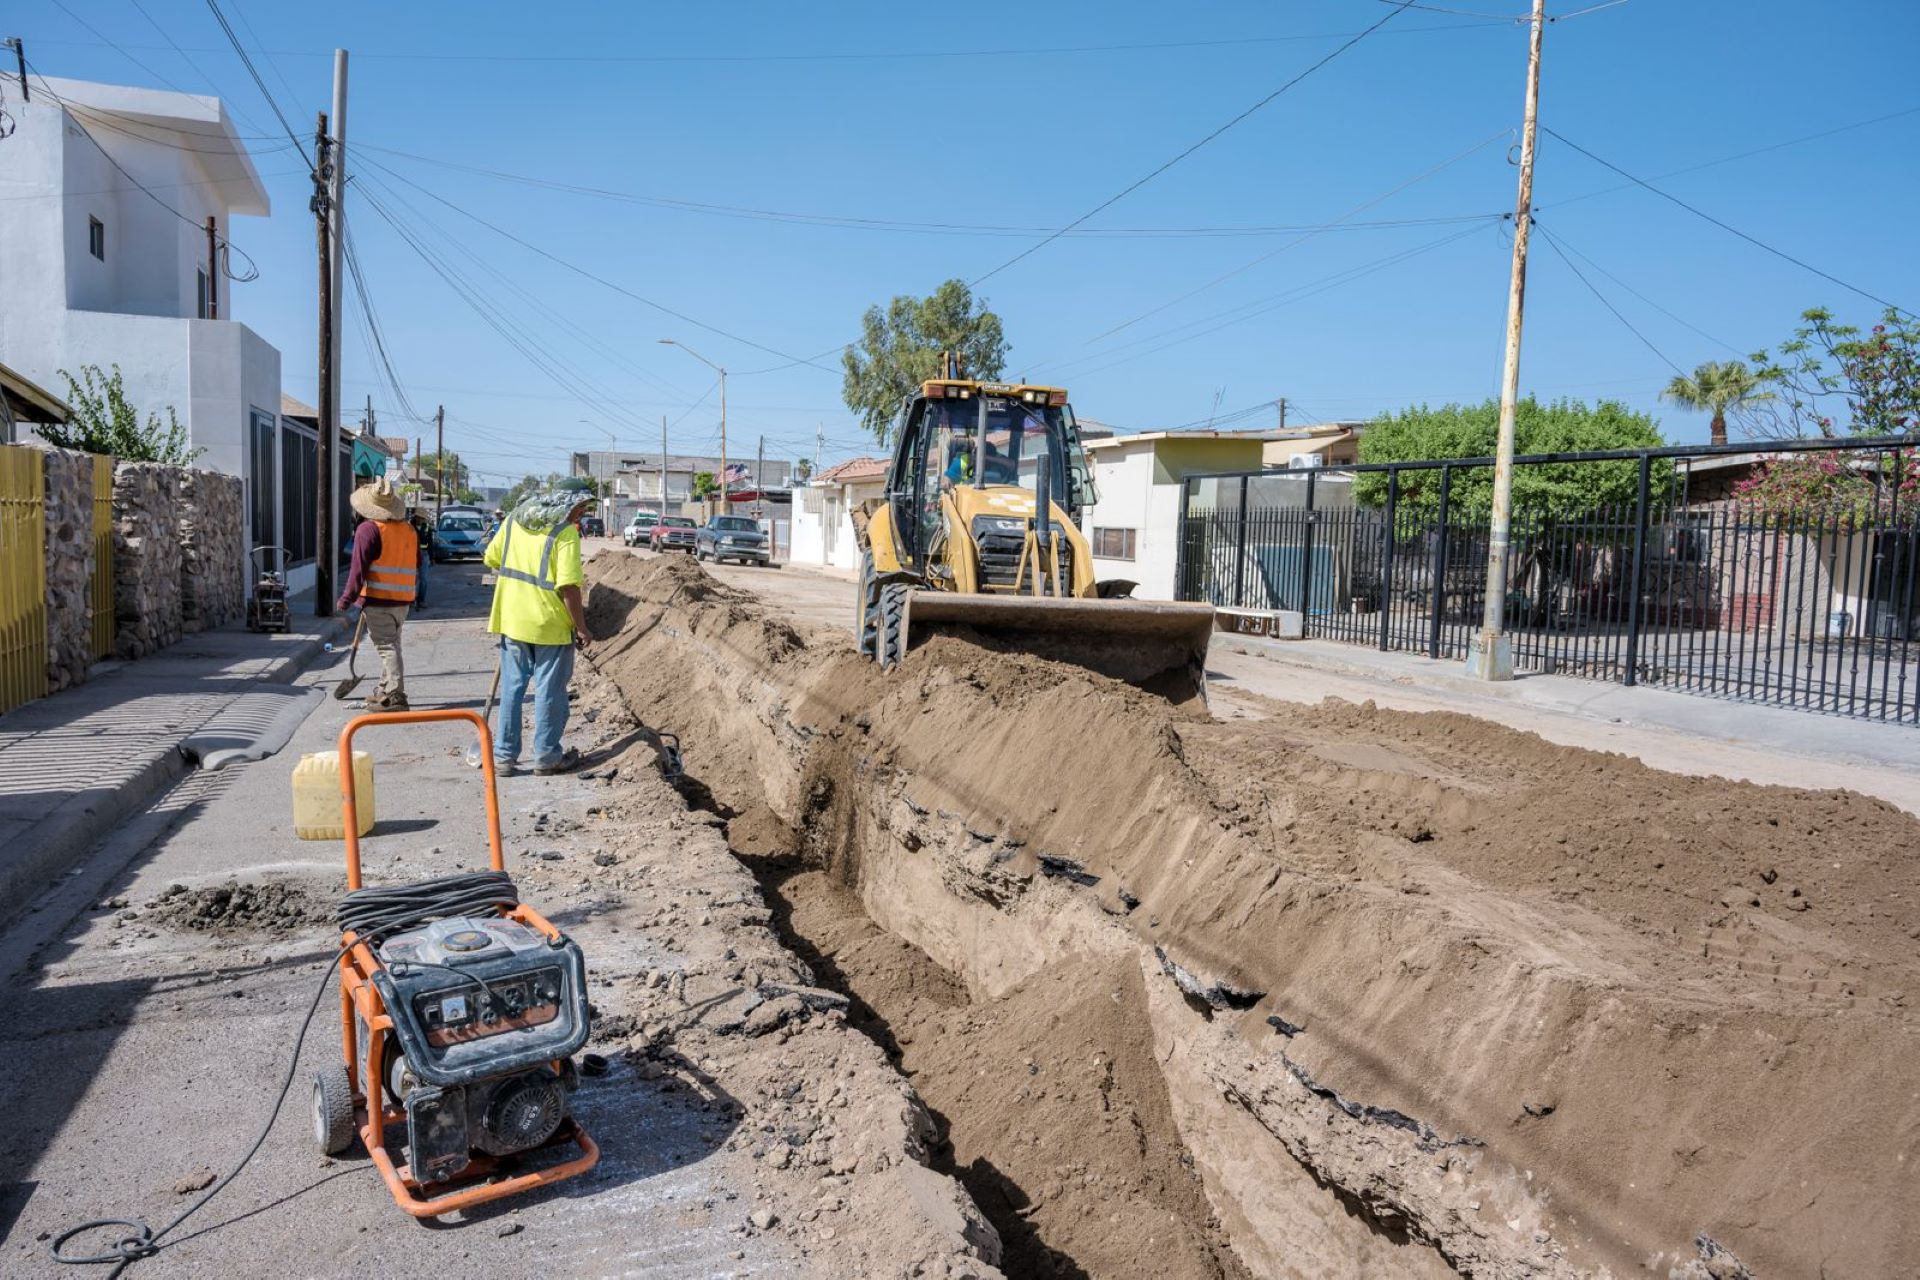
x=565, y=761
x=386, y=702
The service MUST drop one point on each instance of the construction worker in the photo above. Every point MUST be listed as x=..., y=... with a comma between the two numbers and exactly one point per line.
x=383, y=577
x=540, y=616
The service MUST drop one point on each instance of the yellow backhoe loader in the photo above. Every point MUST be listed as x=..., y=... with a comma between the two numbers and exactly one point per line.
x=978, y=535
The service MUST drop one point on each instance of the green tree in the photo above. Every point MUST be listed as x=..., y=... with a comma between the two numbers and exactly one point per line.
x=1472, y=431
x=104, y=421
x=1831, y=379
x=1717, y=387
x=803, y=470
x=900, y=348
x=469, y=496
x=704, y=484
x=456, y=470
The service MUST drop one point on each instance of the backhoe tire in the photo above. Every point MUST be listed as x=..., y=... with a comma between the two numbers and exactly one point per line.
x=867, y=624
x=892, y=638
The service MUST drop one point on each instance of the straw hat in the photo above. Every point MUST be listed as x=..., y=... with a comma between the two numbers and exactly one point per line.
x=378, y=501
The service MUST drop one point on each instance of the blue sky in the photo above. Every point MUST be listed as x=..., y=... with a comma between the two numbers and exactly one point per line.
x=1025, y=117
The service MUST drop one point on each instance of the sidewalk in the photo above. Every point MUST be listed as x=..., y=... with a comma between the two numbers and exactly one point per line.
x=1681, y=732
x=76, y=764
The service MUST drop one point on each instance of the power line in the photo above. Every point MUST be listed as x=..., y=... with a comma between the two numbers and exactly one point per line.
x=899, y=225
x=371, y=316
x=1731, y=230
x=582, y=271
x=254, y=71
x=1359, y=208
x=1741, y=155
x=1594, y=289
x=894, y=55
x=1682, y=322
x=187, y=58
x=1141, y=182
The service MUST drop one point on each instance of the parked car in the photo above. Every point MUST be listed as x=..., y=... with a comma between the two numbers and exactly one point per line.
x=672, y=533
x=731, y=538
x=460, y=535
x=639, y=527
x=592, y=527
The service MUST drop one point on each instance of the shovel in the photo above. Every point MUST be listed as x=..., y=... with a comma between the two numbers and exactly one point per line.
x=486, y=712
x=345, y=688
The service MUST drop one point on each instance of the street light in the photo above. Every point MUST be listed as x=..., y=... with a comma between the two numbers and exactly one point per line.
x=613, y=444
x=669, y=342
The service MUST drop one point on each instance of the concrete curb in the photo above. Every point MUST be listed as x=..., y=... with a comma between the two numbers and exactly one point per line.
x=54, y=847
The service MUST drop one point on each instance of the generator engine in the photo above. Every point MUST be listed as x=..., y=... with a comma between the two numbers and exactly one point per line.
x=488, y=1013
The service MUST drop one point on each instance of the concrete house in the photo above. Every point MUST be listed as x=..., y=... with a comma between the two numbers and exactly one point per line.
x=1134, y=530
x=823, y=512
x=118, y=203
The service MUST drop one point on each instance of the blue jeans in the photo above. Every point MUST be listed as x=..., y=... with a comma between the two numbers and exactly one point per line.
x=548, y=667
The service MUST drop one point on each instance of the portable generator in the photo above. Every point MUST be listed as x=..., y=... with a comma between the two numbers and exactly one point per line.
x=460, y=1011
x=267, y=606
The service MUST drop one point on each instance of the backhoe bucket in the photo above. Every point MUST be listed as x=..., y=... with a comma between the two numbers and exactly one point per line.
x=1160, y=647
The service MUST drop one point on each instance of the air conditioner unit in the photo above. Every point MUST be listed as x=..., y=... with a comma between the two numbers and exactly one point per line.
x=1295, y=461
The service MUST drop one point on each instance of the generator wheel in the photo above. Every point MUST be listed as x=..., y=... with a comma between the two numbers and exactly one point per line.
x=892, y=637
x=332, y=1110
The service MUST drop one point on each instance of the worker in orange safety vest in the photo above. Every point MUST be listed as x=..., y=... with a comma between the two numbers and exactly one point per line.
x=384, y=578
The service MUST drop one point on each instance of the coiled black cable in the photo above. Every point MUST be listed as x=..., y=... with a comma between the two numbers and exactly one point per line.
x=370, y=915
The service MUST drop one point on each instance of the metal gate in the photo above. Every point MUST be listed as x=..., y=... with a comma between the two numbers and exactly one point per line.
x=23, y=576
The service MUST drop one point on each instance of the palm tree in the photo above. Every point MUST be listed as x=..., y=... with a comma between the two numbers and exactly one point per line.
x=1716, y=387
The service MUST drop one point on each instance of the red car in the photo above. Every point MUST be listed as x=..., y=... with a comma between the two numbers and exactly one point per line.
x=673, y=533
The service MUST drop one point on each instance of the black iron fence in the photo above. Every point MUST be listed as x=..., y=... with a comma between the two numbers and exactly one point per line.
x=1815, y=608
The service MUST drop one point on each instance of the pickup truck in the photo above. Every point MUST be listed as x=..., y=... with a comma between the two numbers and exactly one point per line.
x=673, y=533
x=731, y=538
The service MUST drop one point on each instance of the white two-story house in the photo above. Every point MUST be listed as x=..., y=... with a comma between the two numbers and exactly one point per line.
x=115, y=204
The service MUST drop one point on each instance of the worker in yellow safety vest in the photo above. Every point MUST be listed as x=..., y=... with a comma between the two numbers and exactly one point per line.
x=540, y=616
x=383, y=577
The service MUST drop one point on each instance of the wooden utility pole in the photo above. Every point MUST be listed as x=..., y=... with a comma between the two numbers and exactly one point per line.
x=1490, y=654
x=663, y=464
x=213, y=268
x=439, y=462
x=324, y=549
x=416, y=461
x=759, y=482
x=337, y=204
x=1283, y=413
x=723, y=442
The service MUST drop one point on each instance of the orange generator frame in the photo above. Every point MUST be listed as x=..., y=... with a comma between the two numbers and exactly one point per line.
x=361, y=1008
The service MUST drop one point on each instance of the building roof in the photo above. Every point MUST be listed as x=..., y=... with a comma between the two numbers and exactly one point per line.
x=112, y=108
x=852, y=470
x=29, y=401
x=1148, y=437
x=291, y=408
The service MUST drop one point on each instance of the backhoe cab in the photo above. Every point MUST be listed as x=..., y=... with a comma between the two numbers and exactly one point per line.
x=979, y=534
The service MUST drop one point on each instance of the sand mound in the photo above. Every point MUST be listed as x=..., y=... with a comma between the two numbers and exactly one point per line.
x=1422, y=993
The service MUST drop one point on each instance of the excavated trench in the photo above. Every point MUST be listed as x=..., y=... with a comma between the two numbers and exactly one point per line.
x=1338, y=992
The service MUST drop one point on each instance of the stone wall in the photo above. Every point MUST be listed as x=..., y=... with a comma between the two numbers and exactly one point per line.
x=212, y=555
x=69, y=486
x=146, y=558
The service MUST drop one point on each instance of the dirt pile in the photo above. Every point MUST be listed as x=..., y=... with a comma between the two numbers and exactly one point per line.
x=237, y=907
x=1423, y=994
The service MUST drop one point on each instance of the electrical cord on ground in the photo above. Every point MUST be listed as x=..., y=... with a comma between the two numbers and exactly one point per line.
x=370, y=915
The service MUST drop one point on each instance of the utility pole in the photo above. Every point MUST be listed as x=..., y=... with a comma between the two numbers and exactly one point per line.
x=337, y=196
x=416, y=462
x=324, y=550
x=759, y=484
x=439, y=462
x=19, y=48
x=819, y=441
x=1490, y=654
x=1283, y=413
x=213, y=268
x=669, y=342
x=663, y=464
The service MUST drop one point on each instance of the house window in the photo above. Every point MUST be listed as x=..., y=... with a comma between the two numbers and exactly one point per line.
x=1113, y=544
x=203, y=295
x=97, y=238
